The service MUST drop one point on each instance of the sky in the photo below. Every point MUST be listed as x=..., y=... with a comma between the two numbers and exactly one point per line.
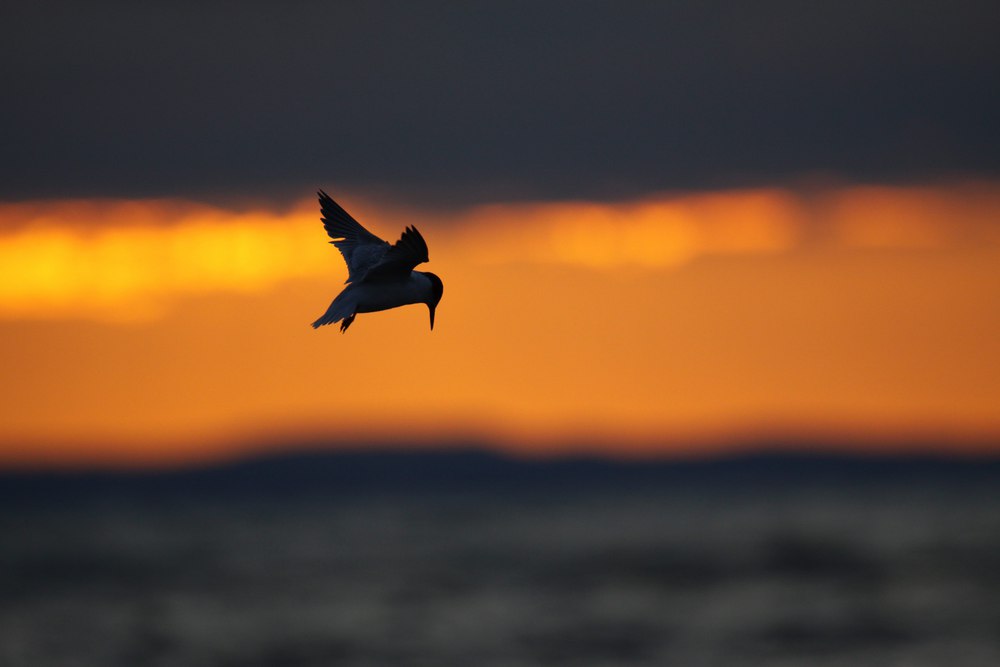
x=662, y=228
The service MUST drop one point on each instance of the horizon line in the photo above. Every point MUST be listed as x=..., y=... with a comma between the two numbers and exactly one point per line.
x=661, y=450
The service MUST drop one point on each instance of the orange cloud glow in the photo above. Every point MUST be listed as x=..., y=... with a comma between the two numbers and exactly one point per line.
x=154, y=331
x=126, y=262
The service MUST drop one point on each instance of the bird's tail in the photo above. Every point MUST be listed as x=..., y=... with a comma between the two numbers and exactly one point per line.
x=342, y=308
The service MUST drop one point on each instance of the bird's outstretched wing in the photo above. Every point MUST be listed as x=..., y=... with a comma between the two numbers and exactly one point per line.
x=402, y=257
x=367, y=256
x=361, y=249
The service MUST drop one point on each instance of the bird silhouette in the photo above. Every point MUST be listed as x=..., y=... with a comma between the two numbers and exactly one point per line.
x=379, y=276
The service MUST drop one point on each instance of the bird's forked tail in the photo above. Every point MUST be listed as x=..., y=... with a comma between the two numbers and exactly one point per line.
x=342, y=308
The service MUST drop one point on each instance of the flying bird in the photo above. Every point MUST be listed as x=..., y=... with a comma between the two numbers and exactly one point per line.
x=379, y=276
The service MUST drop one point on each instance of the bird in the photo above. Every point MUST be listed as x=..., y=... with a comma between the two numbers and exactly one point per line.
x=379, y=276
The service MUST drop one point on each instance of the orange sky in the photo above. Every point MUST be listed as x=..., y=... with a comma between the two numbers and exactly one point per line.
x=150, y=331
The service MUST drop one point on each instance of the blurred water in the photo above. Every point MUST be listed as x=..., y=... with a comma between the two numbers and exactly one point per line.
x=613, y=575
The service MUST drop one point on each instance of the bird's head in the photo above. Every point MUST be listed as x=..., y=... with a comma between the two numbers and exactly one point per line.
x=437, y=289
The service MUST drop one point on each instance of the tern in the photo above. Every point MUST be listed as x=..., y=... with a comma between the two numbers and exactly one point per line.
x=379, y=276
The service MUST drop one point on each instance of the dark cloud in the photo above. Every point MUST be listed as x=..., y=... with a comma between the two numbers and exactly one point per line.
x=458, y=101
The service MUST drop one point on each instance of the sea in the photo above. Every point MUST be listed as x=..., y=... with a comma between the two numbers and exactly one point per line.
x=469, y=558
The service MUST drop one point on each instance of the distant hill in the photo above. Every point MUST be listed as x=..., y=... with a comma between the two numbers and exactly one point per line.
x=381, y=471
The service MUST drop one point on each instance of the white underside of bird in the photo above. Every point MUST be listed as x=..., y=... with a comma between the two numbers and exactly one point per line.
x=380, y=276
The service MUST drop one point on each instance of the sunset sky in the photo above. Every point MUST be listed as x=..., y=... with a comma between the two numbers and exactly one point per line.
x=660, y=230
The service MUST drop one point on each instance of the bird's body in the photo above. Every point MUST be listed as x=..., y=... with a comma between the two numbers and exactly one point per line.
x=373, y=296
x=380, y=276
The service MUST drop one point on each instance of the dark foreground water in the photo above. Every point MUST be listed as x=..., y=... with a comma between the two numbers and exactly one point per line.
x=322, y=562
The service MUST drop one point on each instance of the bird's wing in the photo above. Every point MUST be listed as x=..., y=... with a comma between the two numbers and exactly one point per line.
x=361, y=249
x=402, y=257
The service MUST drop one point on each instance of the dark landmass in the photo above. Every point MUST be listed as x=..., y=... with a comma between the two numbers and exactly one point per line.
x=404, y=471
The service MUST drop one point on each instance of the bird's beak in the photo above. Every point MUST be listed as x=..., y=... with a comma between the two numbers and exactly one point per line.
x=432, y=316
